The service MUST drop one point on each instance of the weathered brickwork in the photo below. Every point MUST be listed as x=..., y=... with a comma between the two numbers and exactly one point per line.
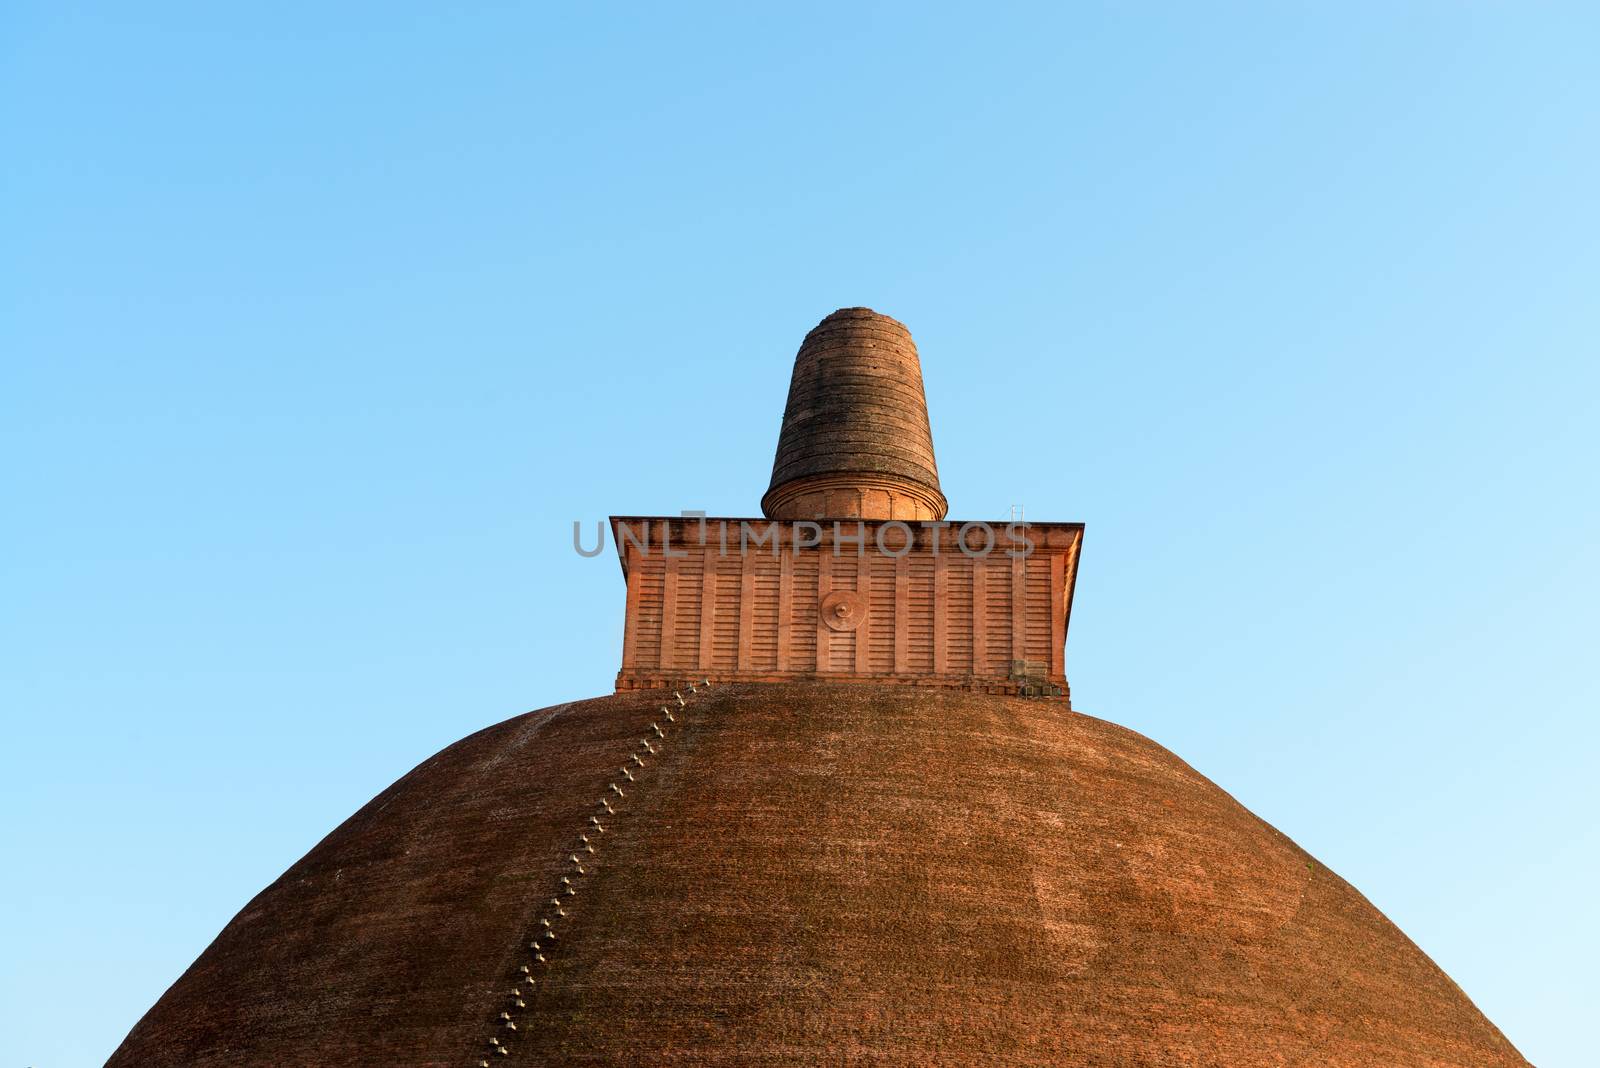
x=756, y=601
x=779, y=870
x=814, y=874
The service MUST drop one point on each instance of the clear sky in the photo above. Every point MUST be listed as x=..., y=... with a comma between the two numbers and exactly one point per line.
x=320, y=324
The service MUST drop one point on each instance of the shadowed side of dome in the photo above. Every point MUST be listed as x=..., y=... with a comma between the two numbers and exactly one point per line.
x=807, y=874
x=855, y=441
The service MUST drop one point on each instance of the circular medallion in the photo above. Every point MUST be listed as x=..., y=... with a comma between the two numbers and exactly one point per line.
x=843, y=609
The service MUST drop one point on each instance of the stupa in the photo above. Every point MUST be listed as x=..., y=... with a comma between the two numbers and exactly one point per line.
x=839, y=810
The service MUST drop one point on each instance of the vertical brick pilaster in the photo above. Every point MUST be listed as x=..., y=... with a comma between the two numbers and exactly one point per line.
x=708, y=605
x=669, y=612
x=863, y=662
x=824, y=585
x=747, y=600
x=980, y=619
x=630, y=618
x=902, y=615
x=785, y=596
x=1019, y=608
x=1058, y=616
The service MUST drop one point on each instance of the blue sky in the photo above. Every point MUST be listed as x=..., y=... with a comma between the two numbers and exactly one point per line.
x=320, y=325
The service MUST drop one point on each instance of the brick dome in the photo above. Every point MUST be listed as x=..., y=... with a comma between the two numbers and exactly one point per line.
x=855, y=440
x=810, y=874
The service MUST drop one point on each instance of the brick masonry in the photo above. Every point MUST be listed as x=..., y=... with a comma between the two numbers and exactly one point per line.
x=816, y=874
x=917, y=868
x=855, y=439
x=749, y=600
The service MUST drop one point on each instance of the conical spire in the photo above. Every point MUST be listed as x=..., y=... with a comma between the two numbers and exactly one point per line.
x=855, y=441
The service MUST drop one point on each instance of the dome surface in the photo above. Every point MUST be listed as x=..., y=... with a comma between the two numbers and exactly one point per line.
x=810, y=874
x=855, y=440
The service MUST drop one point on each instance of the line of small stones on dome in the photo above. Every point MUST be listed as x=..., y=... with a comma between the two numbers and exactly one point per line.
x=543, y=934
